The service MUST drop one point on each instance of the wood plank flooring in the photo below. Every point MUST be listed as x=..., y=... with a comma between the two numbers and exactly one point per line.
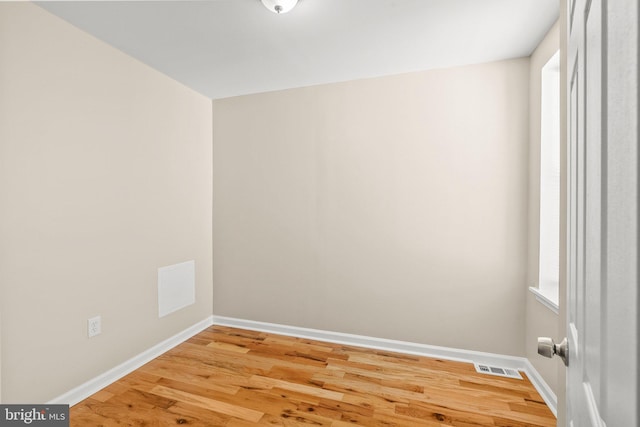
x=237, y=378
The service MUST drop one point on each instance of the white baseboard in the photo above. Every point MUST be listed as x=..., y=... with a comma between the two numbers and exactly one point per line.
x=469, y=356
x=542, y=387
x=520, y=363
x=101, y=381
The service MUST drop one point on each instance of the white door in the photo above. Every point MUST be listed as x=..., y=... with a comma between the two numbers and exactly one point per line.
x=602, y=282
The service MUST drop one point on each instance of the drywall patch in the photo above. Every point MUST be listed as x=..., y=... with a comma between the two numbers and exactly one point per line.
x=176, y=287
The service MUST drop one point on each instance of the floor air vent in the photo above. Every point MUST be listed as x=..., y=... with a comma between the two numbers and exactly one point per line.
x=495, y=370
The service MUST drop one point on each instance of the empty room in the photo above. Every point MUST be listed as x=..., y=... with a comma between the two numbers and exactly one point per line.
x=319, y=212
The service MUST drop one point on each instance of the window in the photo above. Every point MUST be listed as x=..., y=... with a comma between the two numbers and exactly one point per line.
x=549, y=260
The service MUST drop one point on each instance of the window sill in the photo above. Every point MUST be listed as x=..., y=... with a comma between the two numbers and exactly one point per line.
x=545, y=300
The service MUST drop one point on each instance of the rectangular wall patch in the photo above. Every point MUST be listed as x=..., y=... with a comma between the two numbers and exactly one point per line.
x=176, y=287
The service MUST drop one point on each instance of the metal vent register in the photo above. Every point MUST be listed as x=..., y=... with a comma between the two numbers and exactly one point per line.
x=496, y=370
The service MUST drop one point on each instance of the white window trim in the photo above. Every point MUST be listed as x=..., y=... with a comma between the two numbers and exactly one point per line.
x=547, y=300
x=547, y=291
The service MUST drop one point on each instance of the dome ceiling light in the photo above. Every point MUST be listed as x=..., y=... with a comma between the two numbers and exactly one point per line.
x=279, y=6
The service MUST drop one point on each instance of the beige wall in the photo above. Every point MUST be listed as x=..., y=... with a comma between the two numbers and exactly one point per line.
x=393, y=207
x=105, y=175
x=540, y=320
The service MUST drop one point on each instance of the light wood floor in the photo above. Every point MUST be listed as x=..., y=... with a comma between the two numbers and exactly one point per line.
x=233, y=377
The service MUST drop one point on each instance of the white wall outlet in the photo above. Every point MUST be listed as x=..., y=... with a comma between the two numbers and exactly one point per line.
x=94, y=326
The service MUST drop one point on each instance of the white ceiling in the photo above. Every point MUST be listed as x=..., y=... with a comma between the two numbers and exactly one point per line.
x=224, y=48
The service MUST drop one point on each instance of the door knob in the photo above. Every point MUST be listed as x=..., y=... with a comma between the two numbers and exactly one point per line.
x=547, y=348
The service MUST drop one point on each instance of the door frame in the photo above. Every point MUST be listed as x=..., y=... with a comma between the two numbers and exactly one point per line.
x=622, y=225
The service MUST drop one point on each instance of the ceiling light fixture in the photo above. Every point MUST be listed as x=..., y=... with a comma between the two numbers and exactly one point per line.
x=279, y=6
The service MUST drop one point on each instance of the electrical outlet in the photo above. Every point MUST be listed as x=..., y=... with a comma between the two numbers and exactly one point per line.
x=94, y=326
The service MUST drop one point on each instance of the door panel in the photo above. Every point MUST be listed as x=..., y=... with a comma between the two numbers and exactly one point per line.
x=585, y=219
x=594, y=244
